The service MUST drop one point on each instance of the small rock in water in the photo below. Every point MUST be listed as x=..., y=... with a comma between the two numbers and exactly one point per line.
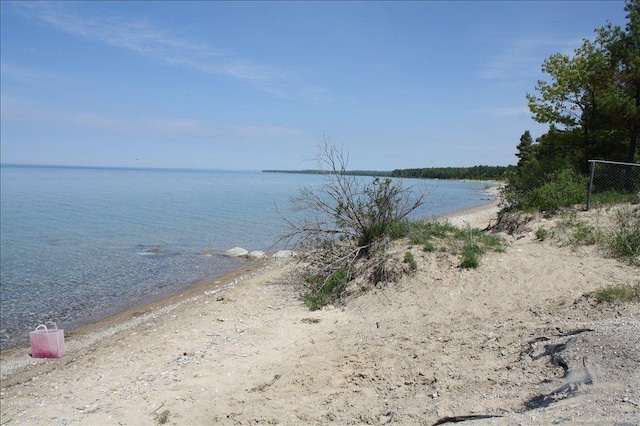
x=257, y=254
x=236, y=252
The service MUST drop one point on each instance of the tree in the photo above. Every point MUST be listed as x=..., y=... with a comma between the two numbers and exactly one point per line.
x=624, y=60
x=595, y=92
x=525, y=148
x=571, y=101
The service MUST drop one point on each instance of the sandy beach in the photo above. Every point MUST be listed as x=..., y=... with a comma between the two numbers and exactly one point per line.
x=442, y=343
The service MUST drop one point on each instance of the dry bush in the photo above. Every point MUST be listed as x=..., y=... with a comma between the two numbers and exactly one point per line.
x=346, y=226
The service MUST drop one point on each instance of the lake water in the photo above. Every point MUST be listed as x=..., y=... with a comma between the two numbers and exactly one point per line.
x=80, y=244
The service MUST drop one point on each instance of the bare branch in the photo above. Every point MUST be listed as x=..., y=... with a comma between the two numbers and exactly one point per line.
x=347, y=218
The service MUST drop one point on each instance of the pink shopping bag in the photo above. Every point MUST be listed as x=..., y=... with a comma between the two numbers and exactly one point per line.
x=47, y=342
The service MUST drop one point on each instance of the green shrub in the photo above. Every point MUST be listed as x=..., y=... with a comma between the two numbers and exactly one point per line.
x=470, y=255
x=346, y=222
x=564, y=188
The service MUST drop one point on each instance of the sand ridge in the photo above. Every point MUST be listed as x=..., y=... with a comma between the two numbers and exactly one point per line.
x=445, y=342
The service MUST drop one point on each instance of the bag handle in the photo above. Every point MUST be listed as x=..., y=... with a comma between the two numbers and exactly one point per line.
x=44, y=327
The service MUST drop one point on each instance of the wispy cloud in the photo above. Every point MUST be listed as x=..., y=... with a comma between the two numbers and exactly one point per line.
x=523, y=57
x=184, y=129
x=145, y=39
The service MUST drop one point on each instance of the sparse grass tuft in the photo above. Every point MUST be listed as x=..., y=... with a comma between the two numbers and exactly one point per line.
x=541, y=234
x=624, y=240
x=619, y=237
x=620, y=293
x=470, y=243
x=408, y=258
x=575, y=232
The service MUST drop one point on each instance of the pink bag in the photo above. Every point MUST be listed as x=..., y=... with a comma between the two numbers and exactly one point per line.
x=47, y=342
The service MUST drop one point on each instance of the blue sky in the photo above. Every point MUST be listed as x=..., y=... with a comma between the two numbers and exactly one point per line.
x=256, y=85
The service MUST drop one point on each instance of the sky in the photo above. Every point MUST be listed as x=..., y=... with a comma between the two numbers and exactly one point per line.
x=260, y=85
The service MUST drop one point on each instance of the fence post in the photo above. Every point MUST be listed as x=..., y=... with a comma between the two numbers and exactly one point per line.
x=593, y=167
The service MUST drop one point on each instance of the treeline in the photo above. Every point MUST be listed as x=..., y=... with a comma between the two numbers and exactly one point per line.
x=458, y=173
x=455, y=173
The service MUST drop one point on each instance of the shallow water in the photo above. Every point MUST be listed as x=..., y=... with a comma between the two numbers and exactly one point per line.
x=79, y=244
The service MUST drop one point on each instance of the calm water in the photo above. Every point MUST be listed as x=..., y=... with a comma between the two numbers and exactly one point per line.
x=79, y=244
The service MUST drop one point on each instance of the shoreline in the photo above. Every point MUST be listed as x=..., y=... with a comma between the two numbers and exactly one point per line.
x=440, y=343
x=84, y=336
x=78, y=326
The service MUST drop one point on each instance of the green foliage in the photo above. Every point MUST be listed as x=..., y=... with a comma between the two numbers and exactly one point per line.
x=614, y=197
x=544, y=162
x=399, y=228
x=350, y=209
x=563, y=188
x=476, y=243
x=620, y=293
x=408, y=258
x=323, y=290
x=326, y=285
x=426, y=234
x=585, y=234
x=592, y=96
x=591, y=102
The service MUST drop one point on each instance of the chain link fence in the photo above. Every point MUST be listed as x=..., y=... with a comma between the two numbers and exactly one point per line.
x=611, y=181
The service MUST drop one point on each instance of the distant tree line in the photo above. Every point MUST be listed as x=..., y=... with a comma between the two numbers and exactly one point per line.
x=459, y=173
